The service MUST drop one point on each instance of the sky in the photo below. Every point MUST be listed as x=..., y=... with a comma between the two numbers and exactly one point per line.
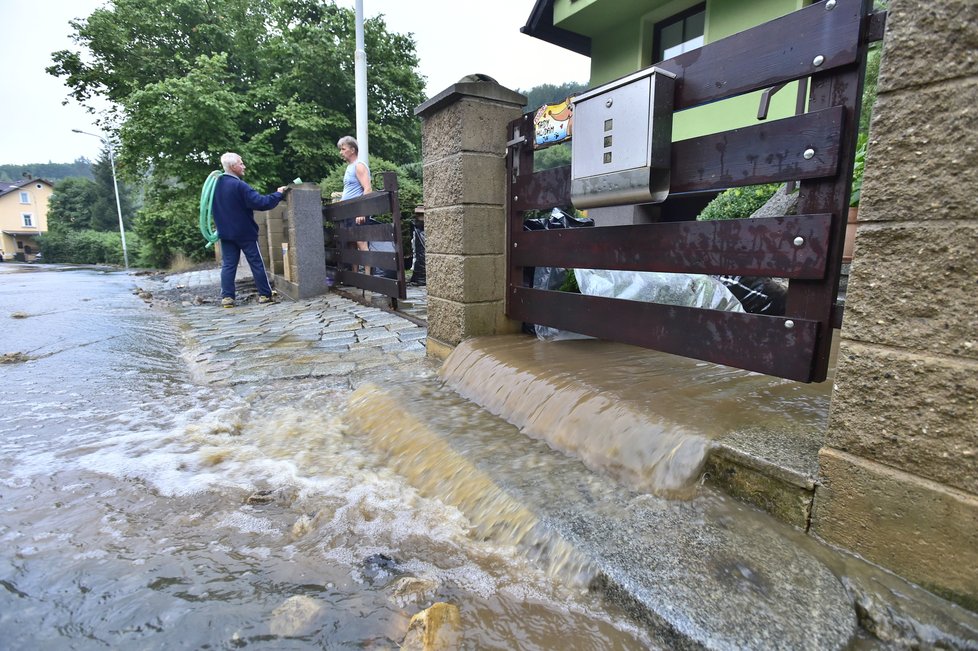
x=473, y=37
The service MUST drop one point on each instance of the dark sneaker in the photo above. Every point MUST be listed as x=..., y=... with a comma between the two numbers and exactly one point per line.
x=227, y=301
x=265, y=300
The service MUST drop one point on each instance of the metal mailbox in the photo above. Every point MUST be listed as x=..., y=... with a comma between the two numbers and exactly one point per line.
x=620, y=153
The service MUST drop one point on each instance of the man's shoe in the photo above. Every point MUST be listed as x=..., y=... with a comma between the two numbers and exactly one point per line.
x=265, y=300
x=227, y=301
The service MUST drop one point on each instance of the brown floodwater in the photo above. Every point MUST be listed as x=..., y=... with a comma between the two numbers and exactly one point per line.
x=142, y=508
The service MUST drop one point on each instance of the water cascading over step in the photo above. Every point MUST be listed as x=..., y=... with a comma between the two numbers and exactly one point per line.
x=647, y=419
x=687, y=570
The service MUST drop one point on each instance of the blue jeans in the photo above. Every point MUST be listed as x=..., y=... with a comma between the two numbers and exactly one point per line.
x=230, y=255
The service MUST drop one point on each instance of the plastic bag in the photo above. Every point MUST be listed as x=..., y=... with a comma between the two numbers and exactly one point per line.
x=552, y=278
x=689, y=290
x=758, y=294
x=419, y=277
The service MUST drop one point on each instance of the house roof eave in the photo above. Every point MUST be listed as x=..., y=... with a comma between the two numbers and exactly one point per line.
x=18, y=185
x=540, y=24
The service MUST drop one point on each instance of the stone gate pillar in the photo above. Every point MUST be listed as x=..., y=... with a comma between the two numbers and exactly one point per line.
x=899, y=471
x=300, y=268
x=464, y=158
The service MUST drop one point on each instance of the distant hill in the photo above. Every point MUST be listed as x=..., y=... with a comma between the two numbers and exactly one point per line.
x=550, y=94
x=54, y=172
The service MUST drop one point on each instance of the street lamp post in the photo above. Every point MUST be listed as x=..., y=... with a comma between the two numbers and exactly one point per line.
x=115, y=183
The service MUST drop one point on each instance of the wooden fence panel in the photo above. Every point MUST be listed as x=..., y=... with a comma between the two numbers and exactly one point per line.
x=749, y=341
x=347, y=257
x=826, y=42
x=793, y=246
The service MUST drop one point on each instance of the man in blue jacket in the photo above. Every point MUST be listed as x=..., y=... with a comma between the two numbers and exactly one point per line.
x=232, y=208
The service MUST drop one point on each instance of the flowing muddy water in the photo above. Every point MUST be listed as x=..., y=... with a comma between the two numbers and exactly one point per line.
x=646, y=418
x=144, y=505
x=142, y=508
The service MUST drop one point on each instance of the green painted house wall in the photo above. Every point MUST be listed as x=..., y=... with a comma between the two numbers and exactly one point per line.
x=621, y=33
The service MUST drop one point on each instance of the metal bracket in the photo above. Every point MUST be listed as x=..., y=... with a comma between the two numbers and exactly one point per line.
x=765, y=104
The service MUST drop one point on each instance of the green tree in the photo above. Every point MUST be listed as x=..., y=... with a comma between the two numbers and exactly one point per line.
x=270, y=79
x=105, y=213
x=53, y=172
x=70, y=206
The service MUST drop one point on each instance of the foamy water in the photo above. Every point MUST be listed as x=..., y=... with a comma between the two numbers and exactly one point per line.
x=143, y=509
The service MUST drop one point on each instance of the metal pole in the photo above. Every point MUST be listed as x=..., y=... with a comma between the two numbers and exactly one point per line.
x=360, y=75
x=118, y=206
x=115, y=184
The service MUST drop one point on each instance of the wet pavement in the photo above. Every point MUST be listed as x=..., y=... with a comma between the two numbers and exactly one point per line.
x=688, y=570
x=183, y=476
x=328, y=336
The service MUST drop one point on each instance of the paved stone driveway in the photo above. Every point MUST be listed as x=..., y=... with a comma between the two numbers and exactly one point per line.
x=327, y=336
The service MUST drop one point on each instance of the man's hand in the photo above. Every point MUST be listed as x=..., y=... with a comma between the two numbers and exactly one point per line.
x=361, y=219
x=283, y=189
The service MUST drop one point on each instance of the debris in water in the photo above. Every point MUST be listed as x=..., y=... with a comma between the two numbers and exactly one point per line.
x=379, y=567
x=296, y=616
x=438, y=627
x=14, y=358
x=261, y=497
x=413, y=590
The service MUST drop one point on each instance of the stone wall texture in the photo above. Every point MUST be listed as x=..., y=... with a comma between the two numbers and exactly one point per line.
x=899, y=473
x=464, y=133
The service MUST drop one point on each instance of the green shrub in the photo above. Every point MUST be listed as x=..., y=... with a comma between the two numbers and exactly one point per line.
x=409, y=192
x=858, y=166
x=737, y=203
x=87, y=247
x=169, y=224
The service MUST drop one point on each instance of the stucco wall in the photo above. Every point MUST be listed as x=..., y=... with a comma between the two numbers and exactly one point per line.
x=12, y=211
x=621, y=43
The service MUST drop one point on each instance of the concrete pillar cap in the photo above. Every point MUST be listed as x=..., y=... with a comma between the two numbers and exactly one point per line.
x=477, y=85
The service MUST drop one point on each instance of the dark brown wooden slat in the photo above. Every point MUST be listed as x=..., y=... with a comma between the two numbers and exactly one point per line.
x=375, y=203
x=386, y=201
x=781, y=50
x=376, y=284
x=519, y=170
x=876, y=27
x=763, y=153
x=543, y=190
x=751, y=341
x=391, y=186
x=809, y=299
x=382, y=259
x=366, y=233
x=747, y=247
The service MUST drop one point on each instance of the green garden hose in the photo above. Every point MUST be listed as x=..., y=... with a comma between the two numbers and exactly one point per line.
x=206, y=217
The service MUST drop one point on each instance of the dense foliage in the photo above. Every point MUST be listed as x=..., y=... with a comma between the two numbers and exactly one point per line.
x=550, y=94
x=70, y=206
x=82, y=167
x=270, y=79
x=85, y=204
x=86, y=247
x=738, y=203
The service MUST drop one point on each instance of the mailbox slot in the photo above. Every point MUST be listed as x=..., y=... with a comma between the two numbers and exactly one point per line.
x=622, y=140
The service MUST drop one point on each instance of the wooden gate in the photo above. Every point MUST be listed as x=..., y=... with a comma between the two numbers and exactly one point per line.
x=347, y=258
x=824, y=43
